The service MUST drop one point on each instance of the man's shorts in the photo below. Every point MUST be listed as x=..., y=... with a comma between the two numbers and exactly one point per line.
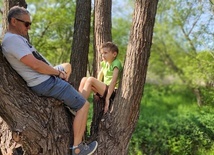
x=59, y=67
x=61, y=90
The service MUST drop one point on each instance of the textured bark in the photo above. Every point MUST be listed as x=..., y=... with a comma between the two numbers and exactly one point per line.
x=29, y=123
x=102, y=29
x=40, y=125
x=116, y=131
x=80, y=46
x=102, y=33
x=7, y=145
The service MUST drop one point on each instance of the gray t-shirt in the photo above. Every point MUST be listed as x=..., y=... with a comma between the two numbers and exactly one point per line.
x=15, y=47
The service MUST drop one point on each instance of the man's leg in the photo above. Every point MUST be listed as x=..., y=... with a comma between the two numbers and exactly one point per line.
x=68, y=69
x=79, y=126
x=79, y=123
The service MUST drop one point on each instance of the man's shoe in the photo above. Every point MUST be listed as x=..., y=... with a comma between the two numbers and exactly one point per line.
x=84, y=149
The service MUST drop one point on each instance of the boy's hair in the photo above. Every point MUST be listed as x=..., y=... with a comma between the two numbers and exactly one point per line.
x=110, y=46
x=16, y=12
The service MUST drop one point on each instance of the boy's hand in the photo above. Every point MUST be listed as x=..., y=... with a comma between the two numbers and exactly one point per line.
x=106, y=106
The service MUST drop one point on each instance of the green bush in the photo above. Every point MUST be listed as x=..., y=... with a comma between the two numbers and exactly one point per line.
x=171, y=123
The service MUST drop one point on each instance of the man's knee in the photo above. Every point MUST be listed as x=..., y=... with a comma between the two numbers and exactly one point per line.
x=67, y=67
x=85, y=107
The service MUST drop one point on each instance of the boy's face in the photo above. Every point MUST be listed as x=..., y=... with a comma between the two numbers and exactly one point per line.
x=108, y=55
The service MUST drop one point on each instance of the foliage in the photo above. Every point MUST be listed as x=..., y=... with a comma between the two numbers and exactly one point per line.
x=182, y=50
x=120, y=31
x=52, y=28
x=121, y=24
x=171, y=123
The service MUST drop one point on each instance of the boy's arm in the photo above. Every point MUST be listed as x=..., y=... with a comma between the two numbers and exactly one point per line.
x=100, y=76
x=111, y=87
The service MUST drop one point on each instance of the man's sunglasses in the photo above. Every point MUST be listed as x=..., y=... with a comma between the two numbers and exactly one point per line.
x=27, y=24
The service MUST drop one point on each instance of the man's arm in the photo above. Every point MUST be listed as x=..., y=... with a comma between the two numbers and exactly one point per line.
x=39, y=66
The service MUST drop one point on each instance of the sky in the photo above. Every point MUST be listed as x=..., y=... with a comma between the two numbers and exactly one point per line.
x=121, y=8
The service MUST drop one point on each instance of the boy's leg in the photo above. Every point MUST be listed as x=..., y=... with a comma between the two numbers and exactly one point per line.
x=93, y=84
x=82, y=83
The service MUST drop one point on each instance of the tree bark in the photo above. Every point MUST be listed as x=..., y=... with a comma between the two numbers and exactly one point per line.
x=7, y=144
x=102, y=29
x=102, y=33
x=40, y=125
x=80, y=46
x=117, y=128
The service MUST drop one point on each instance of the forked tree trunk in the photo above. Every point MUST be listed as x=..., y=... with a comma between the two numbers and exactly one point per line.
x=43, y=127
x=116, y=131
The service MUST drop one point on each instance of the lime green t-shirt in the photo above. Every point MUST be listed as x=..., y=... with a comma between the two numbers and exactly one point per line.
x=108, y=71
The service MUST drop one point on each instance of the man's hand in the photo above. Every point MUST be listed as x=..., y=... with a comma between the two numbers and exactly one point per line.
x=62, y=75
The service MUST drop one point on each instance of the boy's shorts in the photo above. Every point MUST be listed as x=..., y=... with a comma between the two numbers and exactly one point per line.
x=61, y=90
x=105, y=94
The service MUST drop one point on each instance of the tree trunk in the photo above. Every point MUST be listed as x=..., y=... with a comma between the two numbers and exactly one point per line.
x=102, y=33
x=80, y=47
x=7, y=144
x=39, y=125
x=117, y=128
x=102, y=29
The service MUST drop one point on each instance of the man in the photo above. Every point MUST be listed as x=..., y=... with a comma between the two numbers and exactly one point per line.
x=41, y=77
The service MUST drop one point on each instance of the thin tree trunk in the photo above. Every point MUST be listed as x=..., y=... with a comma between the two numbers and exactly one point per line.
x=102, y=29
x=80, y=46
x=102, y=33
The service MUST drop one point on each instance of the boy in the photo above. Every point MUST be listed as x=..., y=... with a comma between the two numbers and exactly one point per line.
x=108, y=78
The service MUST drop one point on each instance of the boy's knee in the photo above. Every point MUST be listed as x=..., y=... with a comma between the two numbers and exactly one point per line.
x=90, y=79
x=83, y=80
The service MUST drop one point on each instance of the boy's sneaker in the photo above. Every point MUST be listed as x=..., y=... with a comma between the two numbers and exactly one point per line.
x=84, y=149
